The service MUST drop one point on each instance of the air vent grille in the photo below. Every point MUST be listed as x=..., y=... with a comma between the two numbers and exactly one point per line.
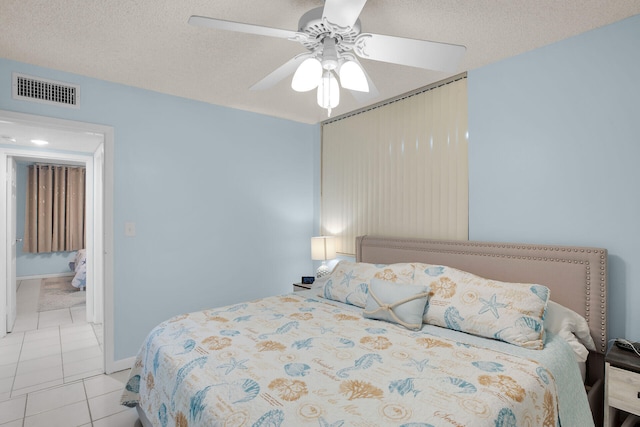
x=28, y=88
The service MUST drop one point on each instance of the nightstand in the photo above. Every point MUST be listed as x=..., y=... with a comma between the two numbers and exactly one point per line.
x=301, y=286
x=622, y=384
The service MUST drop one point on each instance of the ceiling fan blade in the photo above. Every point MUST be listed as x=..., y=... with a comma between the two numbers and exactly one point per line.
x=281, y=72
x=414, y=53
x=364, y=97
x=343, y=13
x=220, y=24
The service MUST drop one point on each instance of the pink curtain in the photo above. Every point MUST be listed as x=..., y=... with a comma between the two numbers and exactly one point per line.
x=55, y=219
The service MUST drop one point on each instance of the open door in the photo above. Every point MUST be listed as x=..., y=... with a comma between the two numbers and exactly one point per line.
x=11, y=243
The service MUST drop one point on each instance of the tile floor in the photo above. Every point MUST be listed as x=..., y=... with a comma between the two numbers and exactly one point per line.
x=51, y=370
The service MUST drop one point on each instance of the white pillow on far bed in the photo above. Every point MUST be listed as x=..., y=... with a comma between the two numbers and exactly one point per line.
x=570, y=326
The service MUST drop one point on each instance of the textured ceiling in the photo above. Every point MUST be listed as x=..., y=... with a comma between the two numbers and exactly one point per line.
x=148, y=43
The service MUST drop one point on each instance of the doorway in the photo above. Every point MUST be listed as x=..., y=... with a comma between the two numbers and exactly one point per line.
x=96, y=157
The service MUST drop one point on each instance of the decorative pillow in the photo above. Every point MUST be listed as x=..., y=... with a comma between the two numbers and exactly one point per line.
x=349, y=281
x=511, y=312
x=398, y=303
x=572, y=327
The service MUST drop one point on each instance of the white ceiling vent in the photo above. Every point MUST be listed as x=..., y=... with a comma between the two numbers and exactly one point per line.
x=37, y=89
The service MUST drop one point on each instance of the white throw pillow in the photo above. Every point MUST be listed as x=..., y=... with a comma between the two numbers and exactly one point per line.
x=569, y=325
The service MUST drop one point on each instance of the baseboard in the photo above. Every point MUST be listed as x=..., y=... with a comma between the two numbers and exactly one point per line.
x=120, y=365
x=45, y=276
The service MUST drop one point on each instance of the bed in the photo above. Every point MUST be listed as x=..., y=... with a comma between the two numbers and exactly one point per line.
x=79, y=268
x=313, y=358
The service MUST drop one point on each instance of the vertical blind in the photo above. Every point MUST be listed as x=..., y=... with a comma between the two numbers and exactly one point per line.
x=400, y=169
x=55, y=211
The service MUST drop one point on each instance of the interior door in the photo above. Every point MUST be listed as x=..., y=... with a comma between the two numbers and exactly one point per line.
x=11, y=222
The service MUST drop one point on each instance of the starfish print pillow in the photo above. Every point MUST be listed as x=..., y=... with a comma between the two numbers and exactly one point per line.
x=510, y=312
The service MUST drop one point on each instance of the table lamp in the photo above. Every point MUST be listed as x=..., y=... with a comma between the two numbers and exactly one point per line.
x=323, y=248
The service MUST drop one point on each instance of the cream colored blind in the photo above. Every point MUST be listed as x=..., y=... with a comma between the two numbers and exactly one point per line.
x=399, y=170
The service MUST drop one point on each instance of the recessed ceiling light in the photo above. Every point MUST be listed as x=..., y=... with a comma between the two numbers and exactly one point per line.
x=39, y=141
x=8, y=138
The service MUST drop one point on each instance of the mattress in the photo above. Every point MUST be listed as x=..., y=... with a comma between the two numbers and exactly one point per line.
x=300, y=360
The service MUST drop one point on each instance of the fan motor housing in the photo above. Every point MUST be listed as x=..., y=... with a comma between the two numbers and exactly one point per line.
x=313, y=24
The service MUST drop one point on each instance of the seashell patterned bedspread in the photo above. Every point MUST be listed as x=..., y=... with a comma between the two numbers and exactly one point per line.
x=297, y=361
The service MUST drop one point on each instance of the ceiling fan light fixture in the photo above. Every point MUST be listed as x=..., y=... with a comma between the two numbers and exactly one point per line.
x=328, y=91
x=352, y=77
x=307, y=76
x=329, y=54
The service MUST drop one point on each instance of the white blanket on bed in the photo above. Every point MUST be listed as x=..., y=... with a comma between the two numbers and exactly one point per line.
x=293, y=360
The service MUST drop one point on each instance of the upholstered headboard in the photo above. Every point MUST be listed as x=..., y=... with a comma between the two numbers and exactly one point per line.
x=576, y=276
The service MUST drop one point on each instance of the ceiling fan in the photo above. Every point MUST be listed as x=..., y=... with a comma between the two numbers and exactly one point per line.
x=333, y=38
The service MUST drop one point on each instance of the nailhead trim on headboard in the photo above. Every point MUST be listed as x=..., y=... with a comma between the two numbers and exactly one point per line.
x=595, y=309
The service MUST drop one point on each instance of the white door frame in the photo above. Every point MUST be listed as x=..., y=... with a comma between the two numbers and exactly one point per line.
x=102, y=234
x=11, y=246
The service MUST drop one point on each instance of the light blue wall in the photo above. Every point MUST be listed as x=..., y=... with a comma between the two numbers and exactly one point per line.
x=553, y=154
x=223, y=200
x=27, y=264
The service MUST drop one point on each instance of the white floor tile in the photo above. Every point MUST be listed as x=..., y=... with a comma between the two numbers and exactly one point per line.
x=54, y=318
x=33, y=365
x=40, y=334
x=61, y=313
x=127, y=418
x=82, y=354
x=77, y=333
x=86, y=365
x=13, y=409
x=53, y=341
x=10, y=354
x=38, y=352
x=80, y=344
x=16, y=423
x=25, y=322
x=47, y=400
x=102, y=384
x=6, y=384
x=105, y=405
x=75, y=328
x=72, y=415
x=79, y=314
x=38, y=377
x=11, y=339
x=45, y=351
x=77, y=377
x=8, y=371
x=122, y=376
x=36, y=387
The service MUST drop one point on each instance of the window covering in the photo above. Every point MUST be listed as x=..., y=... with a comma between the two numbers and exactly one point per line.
x=55, y=211
x=400, y=169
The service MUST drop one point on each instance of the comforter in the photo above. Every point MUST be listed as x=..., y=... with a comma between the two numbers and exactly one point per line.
x=297, y=360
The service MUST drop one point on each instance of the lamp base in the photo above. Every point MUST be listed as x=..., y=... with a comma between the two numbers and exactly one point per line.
x=323, y=270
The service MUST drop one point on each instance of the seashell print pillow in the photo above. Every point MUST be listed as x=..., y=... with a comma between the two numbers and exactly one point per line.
x=402, y=304
x=510, y=312
x=349, y=281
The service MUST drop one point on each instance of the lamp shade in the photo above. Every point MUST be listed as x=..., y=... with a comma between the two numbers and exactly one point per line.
x=328, y=91
x=352, y=77
x=307, y=76
x=323, y=248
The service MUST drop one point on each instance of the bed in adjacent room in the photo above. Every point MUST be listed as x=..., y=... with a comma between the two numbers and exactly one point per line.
x=415, y=333
x=79, y=268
